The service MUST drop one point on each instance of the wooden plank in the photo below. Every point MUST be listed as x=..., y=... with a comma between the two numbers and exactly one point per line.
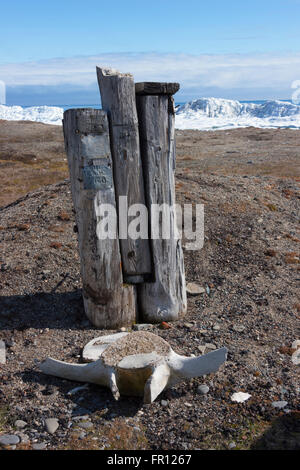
x=156, y=88
x=108, y=302
x=165, y=298
x=118, y=99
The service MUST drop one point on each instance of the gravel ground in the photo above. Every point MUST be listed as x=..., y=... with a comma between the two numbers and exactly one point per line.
x=249, y=267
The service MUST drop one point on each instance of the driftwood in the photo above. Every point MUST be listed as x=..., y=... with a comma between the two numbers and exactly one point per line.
x=138, y=364
x=118, y=99
x=165, y=298
x=108, y=302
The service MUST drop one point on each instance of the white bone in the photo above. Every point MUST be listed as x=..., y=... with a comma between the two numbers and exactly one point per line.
x=93, y=350
x=144, y=373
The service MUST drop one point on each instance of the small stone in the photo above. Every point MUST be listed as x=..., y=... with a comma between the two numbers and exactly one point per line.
x=296, y=357
x=188, y=325
x=39, y=446
x=19, y=408
x=20, y=424
x=165, y=326
x=201, y=349
x=194, y=289
x=142, y=326
x=2, y=352
x=240, y=397
x=9, y=440
x=210, y=347
x=82, y=435
x=279, y=404
x=203, y=389
x=122, y=329
x=238, y=328
x=86, y=425
x=24, y=438
x=78, y=389
x=164, y=403
x=81, y=418
x=216, y=327
x=296, y=344
x=51, y=425
x=232, y=445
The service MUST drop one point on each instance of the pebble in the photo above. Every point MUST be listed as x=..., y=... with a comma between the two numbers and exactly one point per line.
x=122, y=329
x=24, y=438
x=210, y=346
x=78, y=389
x=201, y=349
x=165, y=326
x=240, y=397
x=203, y=389
x=86, y=425
x=19, y=408
x=194, y=289
x=188, y=325
x=20, y=424
x=81, y=418
x=279, y=404
x=39, y=446
x=216, y=327
x=51, y=425
x=142, y=326
x=232, y=445
x=296, y=357
x=164, y=403
x=82, y=435
x=296, y=354
x=296, y=344
x=9, y=439
x=2, y=353
x=238, y=328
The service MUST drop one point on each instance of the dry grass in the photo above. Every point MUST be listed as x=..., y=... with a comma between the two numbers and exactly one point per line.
x=115, y=435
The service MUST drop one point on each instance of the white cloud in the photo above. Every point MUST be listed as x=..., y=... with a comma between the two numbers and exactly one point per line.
x=225, y=72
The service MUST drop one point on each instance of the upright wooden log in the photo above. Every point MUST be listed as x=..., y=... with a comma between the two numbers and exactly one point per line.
x=108, y=302
x=165, y=298
x=118, y=100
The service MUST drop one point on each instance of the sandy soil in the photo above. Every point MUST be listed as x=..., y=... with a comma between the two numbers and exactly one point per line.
x=248, y=180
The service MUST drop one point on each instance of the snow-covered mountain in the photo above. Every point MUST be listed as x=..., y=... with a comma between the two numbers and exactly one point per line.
x=218, y=113
x=45, y=114
x=203, y=113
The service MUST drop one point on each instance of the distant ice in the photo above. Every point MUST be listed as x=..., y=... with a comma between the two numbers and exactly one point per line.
x=217, y=113
x=45, y=114
x=203, y=114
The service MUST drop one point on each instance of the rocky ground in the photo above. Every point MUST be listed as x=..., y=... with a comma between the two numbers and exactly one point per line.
x=248, y=181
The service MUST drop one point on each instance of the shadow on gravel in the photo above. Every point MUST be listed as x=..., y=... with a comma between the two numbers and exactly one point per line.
x=59, y=310
x=94, y=399
x=283, y=434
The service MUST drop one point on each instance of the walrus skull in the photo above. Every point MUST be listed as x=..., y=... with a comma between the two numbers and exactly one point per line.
x=138, y=364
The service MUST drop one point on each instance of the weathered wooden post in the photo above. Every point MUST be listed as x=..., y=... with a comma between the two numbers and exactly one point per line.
x=108, y=302
x=118, y=100
x=165, y=298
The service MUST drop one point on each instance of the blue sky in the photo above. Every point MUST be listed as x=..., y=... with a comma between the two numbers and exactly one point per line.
x=230, y=49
